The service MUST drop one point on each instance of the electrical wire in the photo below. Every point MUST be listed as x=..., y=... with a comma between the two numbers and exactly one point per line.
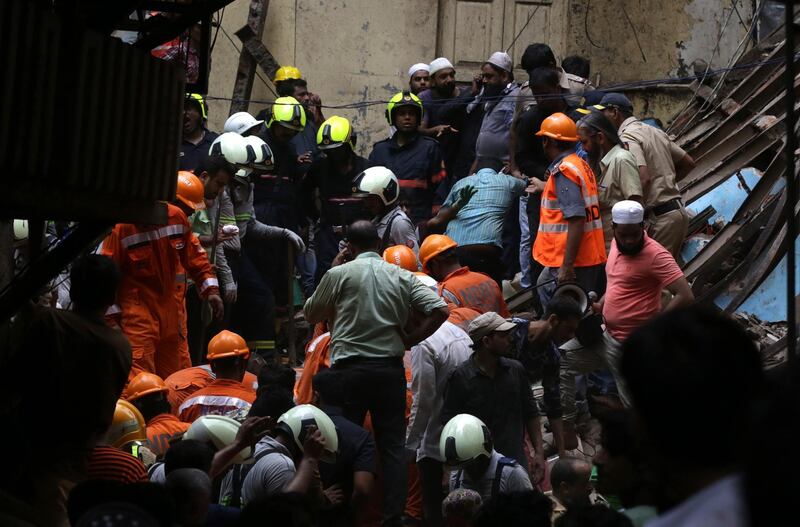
x=219, y=25
x=615, y=87
x=239, y=50
x=530, y=17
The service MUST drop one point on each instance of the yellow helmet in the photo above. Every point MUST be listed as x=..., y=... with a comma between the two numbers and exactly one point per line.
x=335, y=131
x=287, y=112
x=196, y=97
x=285, y=73
x=126, y=426
x=403, y=98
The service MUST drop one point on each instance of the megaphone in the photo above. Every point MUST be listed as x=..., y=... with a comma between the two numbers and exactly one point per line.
x=590, y=328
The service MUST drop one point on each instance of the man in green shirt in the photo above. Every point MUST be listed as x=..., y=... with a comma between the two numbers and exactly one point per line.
x=368, y=303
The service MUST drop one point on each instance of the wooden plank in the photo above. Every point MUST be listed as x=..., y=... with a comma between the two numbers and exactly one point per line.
x=258, y=51
x=246, y=72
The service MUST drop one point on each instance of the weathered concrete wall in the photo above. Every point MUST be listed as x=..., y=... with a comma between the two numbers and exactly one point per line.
x=358, y=50
x=631, y=40
x=349, y=51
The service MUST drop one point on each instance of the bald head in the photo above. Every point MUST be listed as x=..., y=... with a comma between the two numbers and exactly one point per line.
x=191, y=490
x=569, y=479
x=363, y=236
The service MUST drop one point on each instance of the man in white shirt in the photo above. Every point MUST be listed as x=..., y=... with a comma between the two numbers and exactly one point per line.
x=432, y=362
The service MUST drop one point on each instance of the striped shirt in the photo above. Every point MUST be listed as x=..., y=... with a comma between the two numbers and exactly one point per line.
x=481, y=220
x=112, y=464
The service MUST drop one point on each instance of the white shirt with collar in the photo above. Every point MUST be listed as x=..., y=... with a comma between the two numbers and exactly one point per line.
x=721, y=504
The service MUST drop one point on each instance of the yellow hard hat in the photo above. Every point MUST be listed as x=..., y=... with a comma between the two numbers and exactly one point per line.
x=334, y=132
x=286, y=73
x=196, y=97
x=403, y=98
x=126, y=426
x=288, y=112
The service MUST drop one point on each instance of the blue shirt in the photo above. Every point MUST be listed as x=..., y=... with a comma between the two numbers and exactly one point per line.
x=481, y=220
x=570, y=198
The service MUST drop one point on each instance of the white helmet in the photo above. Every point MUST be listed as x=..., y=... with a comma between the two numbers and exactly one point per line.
x=20, y=230
x=234, y=148
x=241, y=122
x=464, y=439
x=264, y=159
x=378, y=181
x=296, y=421
x=220, y=431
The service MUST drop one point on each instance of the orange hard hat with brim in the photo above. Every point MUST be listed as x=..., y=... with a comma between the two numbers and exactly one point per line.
x=144, y=384
x=560, y=127
x=190, y=191
x=227, y=344
x=433, y=246
x=402, y=256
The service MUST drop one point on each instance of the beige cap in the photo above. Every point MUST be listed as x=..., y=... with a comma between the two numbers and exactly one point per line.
x=488, y=323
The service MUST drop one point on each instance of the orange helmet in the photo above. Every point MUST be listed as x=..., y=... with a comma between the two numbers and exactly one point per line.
x=559, y=126
x=402, y=256
x=190, y=190
x=227, y=344
x=127, y=425
x=144, y=384
x=433, y=246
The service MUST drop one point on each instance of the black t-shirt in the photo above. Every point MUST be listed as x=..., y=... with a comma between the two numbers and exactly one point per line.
x=328, y=194
x=193, y=154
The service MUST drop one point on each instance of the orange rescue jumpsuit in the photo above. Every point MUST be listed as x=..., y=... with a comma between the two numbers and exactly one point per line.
x=183, y=383
x=466, y=288
x=150, y=257
x=221, y=397
x=162, y=429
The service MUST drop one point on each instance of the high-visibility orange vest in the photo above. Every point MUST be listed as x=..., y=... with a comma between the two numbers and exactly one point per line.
x=551, y=240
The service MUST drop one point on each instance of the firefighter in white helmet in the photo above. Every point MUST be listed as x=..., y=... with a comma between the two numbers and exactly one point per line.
x=466, y=444
x=380, y=190
x=287, y=460
x=253, y=316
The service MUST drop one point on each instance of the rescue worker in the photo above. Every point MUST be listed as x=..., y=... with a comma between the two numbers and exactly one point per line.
x=305, y=143
x=458, y=285
x=569, y=243
x=191, y=197
x=244, y=124
x=328, y=188
x=662, y=164
x=196, y=137
x=183, y=383
x=253, y=314
x=416, y=160
x=380, y=189
x=276, y=197
x=115, y=457
x=283, y=79
x=227, y=394
x=148, y=393
x=150, y=257
x=466, y=444
x=402, y=256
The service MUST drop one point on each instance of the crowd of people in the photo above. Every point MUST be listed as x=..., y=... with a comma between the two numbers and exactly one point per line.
x=422, y=399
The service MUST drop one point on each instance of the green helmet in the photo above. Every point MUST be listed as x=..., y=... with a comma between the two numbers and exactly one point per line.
x=200, y=101
x=404, y=98
x=334, y=132
x=287, y=112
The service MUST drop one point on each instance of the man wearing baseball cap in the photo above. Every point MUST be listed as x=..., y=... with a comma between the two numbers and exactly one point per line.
x=499, y=99
x=661, y=163
x=496, y=390
x=638, y=269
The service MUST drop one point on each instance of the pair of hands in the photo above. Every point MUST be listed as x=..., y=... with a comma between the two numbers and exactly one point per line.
x=253, y=429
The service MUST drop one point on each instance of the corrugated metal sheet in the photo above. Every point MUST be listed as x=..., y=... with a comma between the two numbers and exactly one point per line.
x=89, y=127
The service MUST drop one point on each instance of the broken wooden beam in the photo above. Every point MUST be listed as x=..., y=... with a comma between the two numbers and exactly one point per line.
x=252, y=43
x=245, y=73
